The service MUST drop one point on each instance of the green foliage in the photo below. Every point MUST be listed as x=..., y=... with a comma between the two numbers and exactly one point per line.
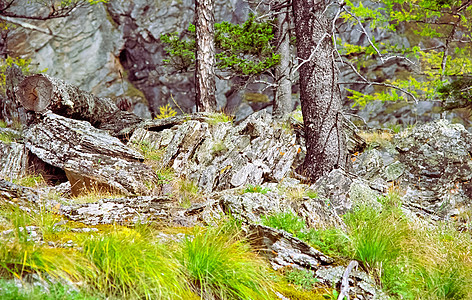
x=31, y=180
x=376, y=244
x=215, y=118
x=255, y=189
x=132, y=268
x=244, y=49
x=150, y=152
x=331, y=241
x=165, y=175
x=301, y=278
x=286, y=221
x=220, y=264
x=23, y=64
x=166, y=112
x=7, y=137
x=9, y=291
x=457, y=93
x=425, y=22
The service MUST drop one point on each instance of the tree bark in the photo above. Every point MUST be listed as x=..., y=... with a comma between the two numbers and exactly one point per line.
x=319, y=92
x=283, y=94
x=41, y=93
x=205, y=56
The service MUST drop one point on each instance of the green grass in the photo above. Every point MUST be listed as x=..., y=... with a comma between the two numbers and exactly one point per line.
x=165, y=175
x=286, y=221
x=215, y=118
x=56, y=291
x=131, y=263
x=30, y=181
x=219, y=264
x=131, y=267
x=3, y=124
x=255, y=189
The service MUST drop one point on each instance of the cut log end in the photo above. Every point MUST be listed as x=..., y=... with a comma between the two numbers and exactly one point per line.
x=34, y=93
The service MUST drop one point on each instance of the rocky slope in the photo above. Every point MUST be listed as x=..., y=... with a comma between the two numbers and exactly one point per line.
x=428, y=165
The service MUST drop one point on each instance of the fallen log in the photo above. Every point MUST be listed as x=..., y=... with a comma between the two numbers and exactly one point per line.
x=41, y=93
x=91, y=158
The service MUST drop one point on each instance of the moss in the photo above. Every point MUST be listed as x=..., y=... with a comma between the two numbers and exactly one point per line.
x=132, y=92
x=256, y=98
x=296, y=293
x=394, y=106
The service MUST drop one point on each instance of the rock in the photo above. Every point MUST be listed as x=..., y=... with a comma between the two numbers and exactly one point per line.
x=24, y=198
x=122, y=210
x=90, y=157
x=284, y=250
x=437, y=167
x=359, y=281
x=223, y=156
x=13, y=159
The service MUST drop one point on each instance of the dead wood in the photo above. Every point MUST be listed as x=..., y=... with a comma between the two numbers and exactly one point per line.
x=41, y=93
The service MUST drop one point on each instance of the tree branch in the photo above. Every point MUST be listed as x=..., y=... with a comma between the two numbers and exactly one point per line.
x=31, y=27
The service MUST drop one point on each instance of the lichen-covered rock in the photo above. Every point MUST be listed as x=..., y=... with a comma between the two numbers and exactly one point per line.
x=121, y=210
x=360, y=282
x=438, y=167
x=90, y=157
x=13, y=160
x=223, y=156
x=346, y=191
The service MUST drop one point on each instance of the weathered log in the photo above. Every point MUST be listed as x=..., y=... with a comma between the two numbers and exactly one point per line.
x=10, y=110
x=40, y=93
x=91, y=158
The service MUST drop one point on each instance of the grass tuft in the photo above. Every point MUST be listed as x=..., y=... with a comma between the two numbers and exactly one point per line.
x=219, y=264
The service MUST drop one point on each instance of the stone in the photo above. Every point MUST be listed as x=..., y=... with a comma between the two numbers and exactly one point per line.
x=13, y=160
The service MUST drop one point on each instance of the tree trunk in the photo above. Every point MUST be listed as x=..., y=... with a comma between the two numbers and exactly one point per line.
x=205, y=56
x=283, y=93
x=40, y=93
x=319, y=92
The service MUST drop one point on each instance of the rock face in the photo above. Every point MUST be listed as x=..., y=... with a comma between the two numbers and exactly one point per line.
x=13, y=160
x=90, y=157
x=429, y=164
x=437, y=157
x=119, y=41
x=222, y=156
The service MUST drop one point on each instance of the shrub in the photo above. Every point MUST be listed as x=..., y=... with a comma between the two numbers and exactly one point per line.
x=286, y=221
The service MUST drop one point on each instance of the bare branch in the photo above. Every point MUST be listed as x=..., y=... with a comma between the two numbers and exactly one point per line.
x=304, y=61
x=32, y=27
x=345, y=281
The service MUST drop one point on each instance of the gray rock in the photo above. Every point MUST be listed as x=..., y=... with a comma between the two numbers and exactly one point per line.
x=223, y=156
x=13, y=160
